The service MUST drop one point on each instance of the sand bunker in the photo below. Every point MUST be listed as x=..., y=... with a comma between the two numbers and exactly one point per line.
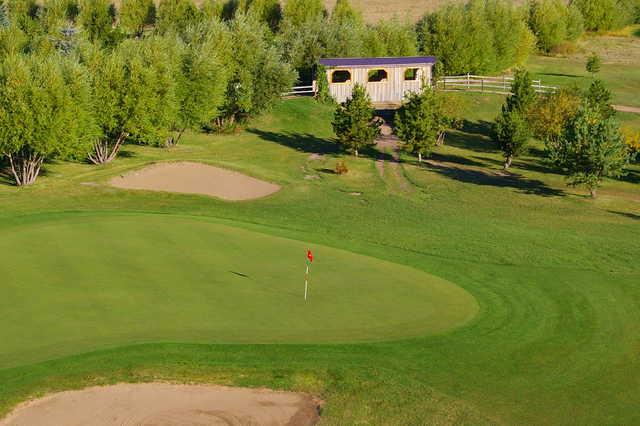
x=161, y=404
x=196, y=178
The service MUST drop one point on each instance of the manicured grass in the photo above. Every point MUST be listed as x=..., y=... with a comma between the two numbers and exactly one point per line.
x=99, y=280
x=555, y=275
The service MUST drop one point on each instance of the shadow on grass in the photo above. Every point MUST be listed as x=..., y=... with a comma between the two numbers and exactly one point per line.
x=472, y=135
x=533, y=165
x=632, y=176
x=636, y=33
x=557, y=74
x=508, y=180
x=633, y=216
x=304, y=142
x=456, y=159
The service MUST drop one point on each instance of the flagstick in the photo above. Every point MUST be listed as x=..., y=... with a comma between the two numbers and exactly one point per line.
x=306, y=280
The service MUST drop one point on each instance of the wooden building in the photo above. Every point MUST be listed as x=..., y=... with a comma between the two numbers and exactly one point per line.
x=386, y=79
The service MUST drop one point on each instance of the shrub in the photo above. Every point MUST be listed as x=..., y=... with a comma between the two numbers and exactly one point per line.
x=341, y=167
x=593, y=64
x=354, y=122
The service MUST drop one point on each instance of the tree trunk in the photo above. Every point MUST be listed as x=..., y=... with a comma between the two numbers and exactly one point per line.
x=594, y=192
x=440, y=140
x=104, y=152
x=25, y=167
x=173, y=140
x=419, y=157
x=507, y=162
x=356, y=152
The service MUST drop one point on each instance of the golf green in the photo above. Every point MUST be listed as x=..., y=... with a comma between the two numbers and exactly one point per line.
x=82, y=282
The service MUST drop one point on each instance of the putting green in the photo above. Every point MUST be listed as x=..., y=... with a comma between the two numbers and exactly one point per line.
x=81, y=282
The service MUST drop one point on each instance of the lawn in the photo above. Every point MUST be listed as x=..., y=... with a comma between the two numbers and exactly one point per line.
x=620, y=66
x=468, y=297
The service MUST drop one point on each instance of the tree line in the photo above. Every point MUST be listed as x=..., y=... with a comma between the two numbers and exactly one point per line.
x=78, y=78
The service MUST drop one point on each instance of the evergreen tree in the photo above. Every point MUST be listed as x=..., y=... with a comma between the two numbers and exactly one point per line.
x=354, y=121
x=135, y=15
x=599, y=98
x=593, y=64
x=523, y=95
x=511, y=132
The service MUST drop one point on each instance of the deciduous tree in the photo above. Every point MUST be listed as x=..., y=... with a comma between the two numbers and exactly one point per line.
x=591, y=148
x=45, y=112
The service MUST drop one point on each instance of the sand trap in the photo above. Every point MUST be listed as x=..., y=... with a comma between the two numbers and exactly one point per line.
x=196, y=178
x=161, y=404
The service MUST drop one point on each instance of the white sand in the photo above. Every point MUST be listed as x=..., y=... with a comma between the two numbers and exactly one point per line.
x=196, y=178
x=161, y=404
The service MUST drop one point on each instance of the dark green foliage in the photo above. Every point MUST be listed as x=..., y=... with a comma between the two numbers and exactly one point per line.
x=266, y=11
x=511, y=132
x=421, y=120
x=354, y=122
x=523, y=95
x=322, y=94
x=591, y=148
x=511, y=129
x=97, y=20
x=593, y=63
x=599, y=99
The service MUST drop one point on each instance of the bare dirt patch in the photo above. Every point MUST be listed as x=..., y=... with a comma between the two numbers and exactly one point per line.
x=162, y=404
x=196, y=178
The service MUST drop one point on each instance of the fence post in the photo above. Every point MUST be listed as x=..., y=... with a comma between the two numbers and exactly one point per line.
x=468, y=82
x=482, y=85
x=504, y=83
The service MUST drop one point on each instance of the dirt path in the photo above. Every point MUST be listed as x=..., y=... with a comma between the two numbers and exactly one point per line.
x=388, y=144
x=163, y=404
x=625, y=108
x=196, y=178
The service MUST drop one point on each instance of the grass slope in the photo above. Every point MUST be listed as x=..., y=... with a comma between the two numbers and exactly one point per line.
x=555, y=275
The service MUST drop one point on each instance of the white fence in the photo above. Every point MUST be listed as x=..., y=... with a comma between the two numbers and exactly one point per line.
x=301, y=90
x=485, y=84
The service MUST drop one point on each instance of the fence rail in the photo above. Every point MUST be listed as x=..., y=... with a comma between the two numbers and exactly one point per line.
x=486, y=84
x=300, y=90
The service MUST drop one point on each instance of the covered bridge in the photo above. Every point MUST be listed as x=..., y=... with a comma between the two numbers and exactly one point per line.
x=386, y=79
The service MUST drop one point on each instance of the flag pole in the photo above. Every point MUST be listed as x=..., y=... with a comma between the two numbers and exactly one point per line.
x=306, y=281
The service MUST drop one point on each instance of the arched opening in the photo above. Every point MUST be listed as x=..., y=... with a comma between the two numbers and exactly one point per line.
x=411, y=74
x=377, y=76
x=340, y=76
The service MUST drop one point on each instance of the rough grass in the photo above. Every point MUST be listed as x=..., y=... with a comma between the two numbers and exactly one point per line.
x=555, y=275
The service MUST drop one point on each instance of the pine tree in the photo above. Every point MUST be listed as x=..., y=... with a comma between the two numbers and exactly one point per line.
x=354, y=121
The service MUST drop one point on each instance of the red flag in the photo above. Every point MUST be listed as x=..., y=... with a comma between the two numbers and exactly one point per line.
x=309, y=255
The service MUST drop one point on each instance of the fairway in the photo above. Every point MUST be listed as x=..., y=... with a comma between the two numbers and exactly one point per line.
x=98, y=280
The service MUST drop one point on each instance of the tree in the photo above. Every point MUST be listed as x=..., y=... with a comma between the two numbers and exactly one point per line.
x=45, y=113
x=201, y=85
x=134, y=89
x=523, y=95
x=599, y=97
x=593, y=64
x=422, y=120
x=548, y=21
x=354, y=121
x=259, y=75
x=176, y=15
x=551, y=112
x=135, y=15
x=590, y=149
x=96, y=20
x=511, y=132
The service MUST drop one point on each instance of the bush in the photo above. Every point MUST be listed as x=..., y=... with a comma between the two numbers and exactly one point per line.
x=354, y=122
x=341, y=167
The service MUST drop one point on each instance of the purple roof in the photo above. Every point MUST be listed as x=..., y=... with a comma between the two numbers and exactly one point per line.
x=363, y=62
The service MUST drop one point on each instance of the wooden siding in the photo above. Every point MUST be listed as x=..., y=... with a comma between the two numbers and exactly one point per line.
x=390, y=91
